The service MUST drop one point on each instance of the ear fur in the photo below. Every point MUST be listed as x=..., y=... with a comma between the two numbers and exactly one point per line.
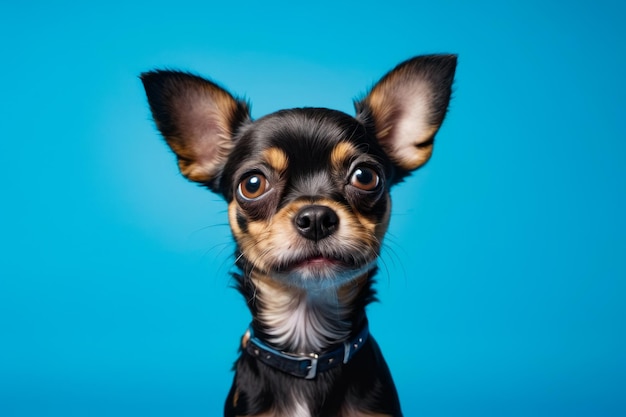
x=198, y=120
x=407, y=106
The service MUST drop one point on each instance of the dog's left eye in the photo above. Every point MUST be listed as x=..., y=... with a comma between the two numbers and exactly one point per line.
x=364, y=178
x=253, y=186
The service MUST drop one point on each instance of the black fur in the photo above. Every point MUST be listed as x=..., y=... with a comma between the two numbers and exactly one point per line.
x=307, y=136
x=261, y=387
x=220, y=146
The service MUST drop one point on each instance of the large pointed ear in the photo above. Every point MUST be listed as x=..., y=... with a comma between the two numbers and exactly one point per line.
x=198, y=120
x=407, y=106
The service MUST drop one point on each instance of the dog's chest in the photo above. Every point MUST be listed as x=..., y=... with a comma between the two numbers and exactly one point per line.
x=301, y=322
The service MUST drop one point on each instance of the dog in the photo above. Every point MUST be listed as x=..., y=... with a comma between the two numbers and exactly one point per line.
x=308, y=205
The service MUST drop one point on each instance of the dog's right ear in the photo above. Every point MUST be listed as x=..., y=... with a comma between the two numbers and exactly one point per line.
x=198, y=120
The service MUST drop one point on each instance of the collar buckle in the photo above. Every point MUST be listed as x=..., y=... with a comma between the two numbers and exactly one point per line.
x=312, y=368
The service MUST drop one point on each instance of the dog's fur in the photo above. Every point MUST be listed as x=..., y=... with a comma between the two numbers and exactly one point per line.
x=308, y=203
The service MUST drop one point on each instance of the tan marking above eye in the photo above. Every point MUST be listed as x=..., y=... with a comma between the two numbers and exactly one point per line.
x=342, y=152
x=253, y=186
x=277, y=159
x=364, y=178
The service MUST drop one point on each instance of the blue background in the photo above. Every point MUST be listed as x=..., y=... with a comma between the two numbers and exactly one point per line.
x=503, y=276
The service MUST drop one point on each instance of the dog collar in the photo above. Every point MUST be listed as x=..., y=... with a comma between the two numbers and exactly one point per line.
x=305, y=366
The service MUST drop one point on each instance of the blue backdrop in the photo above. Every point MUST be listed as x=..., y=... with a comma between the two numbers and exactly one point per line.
x=503, y=278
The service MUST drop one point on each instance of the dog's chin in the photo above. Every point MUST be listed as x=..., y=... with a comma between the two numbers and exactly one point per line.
x=319, y=273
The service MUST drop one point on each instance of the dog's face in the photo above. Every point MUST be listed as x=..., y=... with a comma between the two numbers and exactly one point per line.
x=307, y=189
x=308, y=193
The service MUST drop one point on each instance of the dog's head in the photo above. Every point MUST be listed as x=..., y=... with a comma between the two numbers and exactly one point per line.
x=308, y=188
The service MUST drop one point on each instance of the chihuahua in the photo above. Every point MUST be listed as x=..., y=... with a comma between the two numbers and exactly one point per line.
x=308, y=205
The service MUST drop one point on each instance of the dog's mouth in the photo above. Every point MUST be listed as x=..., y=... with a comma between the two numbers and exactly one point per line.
x=322, y=270
x=314, y=261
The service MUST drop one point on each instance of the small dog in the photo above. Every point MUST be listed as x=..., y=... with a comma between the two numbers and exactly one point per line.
x=308, y=204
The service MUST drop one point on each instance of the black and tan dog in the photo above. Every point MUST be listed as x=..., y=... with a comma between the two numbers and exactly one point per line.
x=308, y=204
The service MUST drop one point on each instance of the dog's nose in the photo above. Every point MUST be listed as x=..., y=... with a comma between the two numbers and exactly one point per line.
x=316, y=222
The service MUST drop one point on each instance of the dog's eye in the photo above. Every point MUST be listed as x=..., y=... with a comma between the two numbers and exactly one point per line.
x=253, y=186
x=365, y=179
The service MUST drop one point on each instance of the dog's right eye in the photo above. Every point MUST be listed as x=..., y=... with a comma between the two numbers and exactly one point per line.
x=253, y=186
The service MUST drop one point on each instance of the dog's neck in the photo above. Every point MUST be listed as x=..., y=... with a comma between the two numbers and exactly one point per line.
x=299, y=321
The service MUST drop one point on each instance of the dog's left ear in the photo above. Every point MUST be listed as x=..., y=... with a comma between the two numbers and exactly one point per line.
x=407, y=106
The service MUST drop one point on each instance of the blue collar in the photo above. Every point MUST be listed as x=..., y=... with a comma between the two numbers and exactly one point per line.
x=305, y=366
